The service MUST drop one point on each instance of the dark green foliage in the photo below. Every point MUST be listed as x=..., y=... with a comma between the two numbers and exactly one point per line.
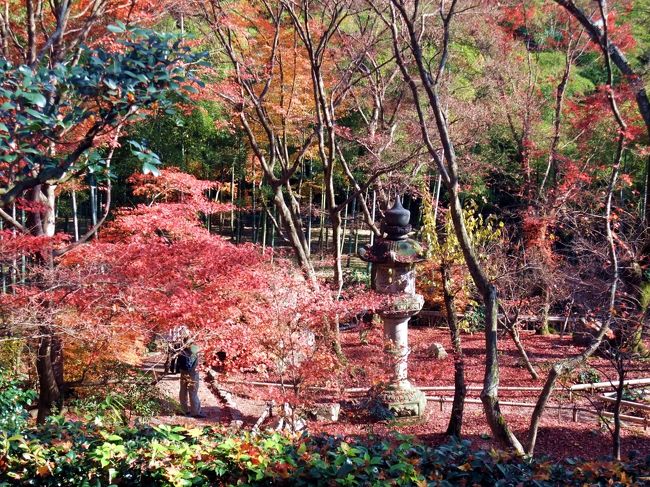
x=588, y=375
x=70, y=453
x=192, y=141
x=42, y=104
x=13, y=401
x=474, y=319
x=134, y=396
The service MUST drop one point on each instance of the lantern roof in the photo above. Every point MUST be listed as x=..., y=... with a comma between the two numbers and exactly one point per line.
x=396, y=247
x=384, y=251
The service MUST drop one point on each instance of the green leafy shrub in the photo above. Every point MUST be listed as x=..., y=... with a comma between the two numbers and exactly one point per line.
x=588, y=375
x=131, y=394
x=67, y=453
x=474, y=319
x=355, y=277
x=14, y=399
x=71, y=453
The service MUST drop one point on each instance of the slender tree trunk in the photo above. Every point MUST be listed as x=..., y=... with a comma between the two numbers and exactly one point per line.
x=93, y=202
x=75, y=215
x=447, y=166
x=49, y=394
x=490, y=392
x=437, y=200
x=616, y=434
x=273, y=237
x=49, y=215
x=600, y=36
x=372, y=236
x=336, y=222
x=254, y=215
x=455, y=425
x=208, y=217
x=321, y=231
x=309, y=220
x=513, y=331
x=352, y=232
x=345, y=219
x=298, y=241
x=263, y=232
x=232, y=202
x=49, y=350
x=646, y=195
x=546, y=307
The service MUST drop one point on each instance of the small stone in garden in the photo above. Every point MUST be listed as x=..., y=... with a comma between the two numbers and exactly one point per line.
x=325, y=411
x=437, y=351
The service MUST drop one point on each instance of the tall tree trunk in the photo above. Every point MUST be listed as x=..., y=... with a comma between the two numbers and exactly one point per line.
x=49, y=394
x=294, y=234
x=544, y=328
x=616, y=434
x=49, y=359
x=455, y=425
x=93, y=201
x=309, y=221
x=75, y=215
x=571, y=363
x=322, y=241
x=49, y=215
x=232, y=202
x=490, y=392
x=611, y=53
x=447, y=165
x=336, y=222
x=296, y=215
x=56, y=355
x=34, y=218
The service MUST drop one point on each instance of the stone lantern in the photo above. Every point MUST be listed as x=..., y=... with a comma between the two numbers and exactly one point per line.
x=393, y=260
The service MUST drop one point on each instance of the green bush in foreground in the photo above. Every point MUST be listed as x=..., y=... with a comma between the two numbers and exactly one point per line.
x=63, y=452
x=13, y=401
x=72, y=453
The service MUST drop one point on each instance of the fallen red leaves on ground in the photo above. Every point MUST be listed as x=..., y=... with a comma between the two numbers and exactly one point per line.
x=559, y=435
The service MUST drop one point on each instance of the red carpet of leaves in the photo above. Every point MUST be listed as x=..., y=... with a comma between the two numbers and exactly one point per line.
x=559, y=435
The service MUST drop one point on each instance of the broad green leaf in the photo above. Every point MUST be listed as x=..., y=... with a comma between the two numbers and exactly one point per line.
x=148, y=168
x=35, y=99
x=117, y=28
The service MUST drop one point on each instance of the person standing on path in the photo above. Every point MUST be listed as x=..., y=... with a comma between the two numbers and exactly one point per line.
x=186, y=363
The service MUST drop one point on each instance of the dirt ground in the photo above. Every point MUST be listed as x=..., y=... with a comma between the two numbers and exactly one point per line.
x=563, y=432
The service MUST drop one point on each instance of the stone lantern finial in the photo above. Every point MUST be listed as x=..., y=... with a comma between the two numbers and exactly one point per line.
x=396, y=221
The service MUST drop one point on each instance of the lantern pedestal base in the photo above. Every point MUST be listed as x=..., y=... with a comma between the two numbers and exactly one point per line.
x=404, y=400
